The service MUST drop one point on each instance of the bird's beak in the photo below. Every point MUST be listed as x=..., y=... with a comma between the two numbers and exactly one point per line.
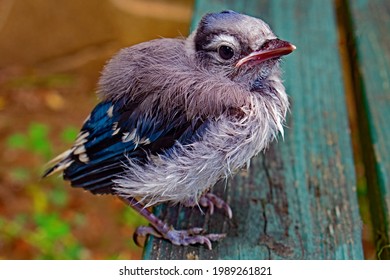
x=273, y=48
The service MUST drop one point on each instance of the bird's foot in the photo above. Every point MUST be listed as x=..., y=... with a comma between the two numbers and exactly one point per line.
x=161, y=229
x=179, y=237
x=211, y=201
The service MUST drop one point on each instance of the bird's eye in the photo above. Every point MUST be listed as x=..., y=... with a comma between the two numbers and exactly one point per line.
x=225, y=52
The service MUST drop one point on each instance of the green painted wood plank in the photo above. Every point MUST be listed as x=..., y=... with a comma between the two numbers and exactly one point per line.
x=371, y=23
x=298, y=201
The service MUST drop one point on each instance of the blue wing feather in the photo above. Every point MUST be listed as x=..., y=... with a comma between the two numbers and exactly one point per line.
x=102, y=146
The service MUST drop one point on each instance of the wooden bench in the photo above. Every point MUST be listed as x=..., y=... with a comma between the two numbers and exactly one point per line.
x=369, y=43
x=299, y=200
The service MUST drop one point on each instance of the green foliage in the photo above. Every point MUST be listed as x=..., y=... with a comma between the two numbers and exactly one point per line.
x=17, y=141
x=54, y=237
x=42, y=227
x=50, y=235
x=69, y=134
x=35, y=140
x=38, y=140
x=50, y=227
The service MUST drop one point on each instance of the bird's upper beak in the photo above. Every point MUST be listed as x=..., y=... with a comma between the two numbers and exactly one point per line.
x=273, y=48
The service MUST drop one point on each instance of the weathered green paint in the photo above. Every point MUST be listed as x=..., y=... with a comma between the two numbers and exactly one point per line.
x=371, y=27
x=298, y=201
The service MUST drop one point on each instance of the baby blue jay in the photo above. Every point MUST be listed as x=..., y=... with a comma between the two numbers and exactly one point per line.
x=177, y=115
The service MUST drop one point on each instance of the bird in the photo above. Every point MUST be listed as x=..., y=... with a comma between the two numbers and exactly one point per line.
x=177, y=115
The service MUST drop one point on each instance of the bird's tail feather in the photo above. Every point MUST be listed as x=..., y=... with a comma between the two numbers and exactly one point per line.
x=61, y=162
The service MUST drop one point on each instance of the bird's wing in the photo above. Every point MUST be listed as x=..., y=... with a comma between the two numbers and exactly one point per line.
x=116, y=131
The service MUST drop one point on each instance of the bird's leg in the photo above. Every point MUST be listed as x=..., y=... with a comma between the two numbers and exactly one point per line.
x=161, y=229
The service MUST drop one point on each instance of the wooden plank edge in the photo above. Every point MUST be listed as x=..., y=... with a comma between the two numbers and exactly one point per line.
x=362, y=137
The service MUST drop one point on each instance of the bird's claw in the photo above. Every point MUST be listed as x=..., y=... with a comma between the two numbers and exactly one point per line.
x=180, y=237
x=143, y=231
x=210, y=200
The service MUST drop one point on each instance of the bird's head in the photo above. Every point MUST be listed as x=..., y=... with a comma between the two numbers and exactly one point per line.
x=237, y=46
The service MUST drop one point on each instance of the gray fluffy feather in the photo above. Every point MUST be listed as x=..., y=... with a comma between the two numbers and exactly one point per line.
x=172, y=73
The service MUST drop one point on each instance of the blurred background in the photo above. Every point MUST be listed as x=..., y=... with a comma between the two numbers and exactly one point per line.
x=51, y=55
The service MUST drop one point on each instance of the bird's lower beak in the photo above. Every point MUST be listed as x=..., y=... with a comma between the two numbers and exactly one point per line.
x=273, y=48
